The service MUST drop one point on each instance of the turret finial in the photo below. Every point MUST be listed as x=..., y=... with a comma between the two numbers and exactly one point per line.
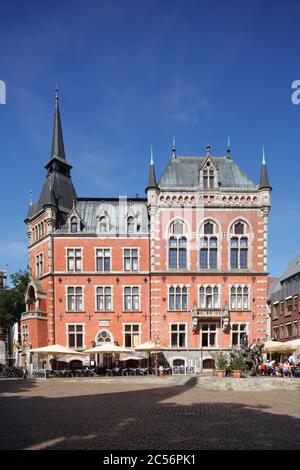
x=263, y=156
x=228, y=147
x=173, y=148
x=208, y=150
x=151, y=156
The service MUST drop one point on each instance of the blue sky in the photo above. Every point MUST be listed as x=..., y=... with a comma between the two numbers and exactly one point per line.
x=135, y=73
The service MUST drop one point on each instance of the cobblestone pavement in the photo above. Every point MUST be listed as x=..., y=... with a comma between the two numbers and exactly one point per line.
x=75, y=414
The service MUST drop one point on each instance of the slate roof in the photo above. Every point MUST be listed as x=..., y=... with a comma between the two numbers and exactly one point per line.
x=117, y=211
x=182, y=172
x=292, y=269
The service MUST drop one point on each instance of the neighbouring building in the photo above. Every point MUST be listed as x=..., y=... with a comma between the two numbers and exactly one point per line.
x=284, y=303
x=185, y=266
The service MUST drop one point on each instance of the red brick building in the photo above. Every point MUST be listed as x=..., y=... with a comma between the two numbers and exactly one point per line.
x=284, y=303
x=186, y=265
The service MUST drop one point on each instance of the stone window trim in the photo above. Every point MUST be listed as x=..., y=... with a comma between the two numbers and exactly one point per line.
x=178, y=241
x=111, y=295
x=74, y=257
x=209, y=243
x=248, y=234
x=177, y=332
x=243, y=293
x=39, y=261
x=212, y=330
x=75, y=286
x=207, y=293
x=75, y=333
x=96, y=256
x=239, y=331
x=132, y=333
x=108, y=335
x=132, y=301
x=181, y=290
x=138, y=256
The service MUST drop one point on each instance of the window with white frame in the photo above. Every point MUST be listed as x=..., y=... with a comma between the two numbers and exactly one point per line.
x=103, y=298
x=74, y=224
x=103, y=259
x=39, y=265
x=130, y=225
x=131, y=335
x=178, y=298
x=209, y=296
x=75, y=298
x=74, y=259
x=238, y=246
x=208, y=246
x=131, y=259
x=238, y=331
x=178, y=335
x=239, y=297
x=177, y=246
x=103, y=224
x=75, y=336
x=131, y=298
x=208, y=335
x=104, y=336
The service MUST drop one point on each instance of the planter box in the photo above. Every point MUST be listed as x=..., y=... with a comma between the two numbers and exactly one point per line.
x=220, y=373
x=236, y=374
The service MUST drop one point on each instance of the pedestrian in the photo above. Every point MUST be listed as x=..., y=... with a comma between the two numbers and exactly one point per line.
x=286, y=369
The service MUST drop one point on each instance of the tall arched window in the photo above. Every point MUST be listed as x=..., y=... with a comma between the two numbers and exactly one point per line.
x=239, y=246
x=177, y=246
x=208, y=247
x=209, y=297
x=74, y=225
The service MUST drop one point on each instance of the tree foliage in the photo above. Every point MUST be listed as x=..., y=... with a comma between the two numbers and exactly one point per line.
x=12, y=299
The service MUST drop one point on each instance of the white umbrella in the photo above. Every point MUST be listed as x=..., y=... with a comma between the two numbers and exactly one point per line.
x=108, y=348
x=272, y=346
x=55, y=349
x=291, y=346
x=150, y=346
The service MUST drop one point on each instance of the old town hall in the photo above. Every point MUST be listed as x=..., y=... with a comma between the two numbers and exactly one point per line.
x=186, y=266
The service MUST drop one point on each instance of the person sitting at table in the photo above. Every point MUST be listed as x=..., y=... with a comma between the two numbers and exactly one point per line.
x=286, y=369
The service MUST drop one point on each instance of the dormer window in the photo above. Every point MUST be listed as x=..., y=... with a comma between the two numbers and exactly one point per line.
x=130, y=225
x=103, y=224
x=74, y=225
x=208, y=175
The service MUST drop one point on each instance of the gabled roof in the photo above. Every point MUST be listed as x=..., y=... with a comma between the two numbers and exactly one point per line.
x=182, y=172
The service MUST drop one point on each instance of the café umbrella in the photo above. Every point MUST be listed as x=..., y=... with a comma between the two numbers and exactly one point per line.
x=290, y=346
x=150, y=347
x=55, y=350
x=272, y=346
x=109, y=349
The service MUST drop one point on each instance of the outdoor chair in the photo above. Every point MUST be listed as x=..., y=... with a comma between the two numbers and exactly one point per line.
x=108, y=372
x=125, y=371
x=168, y=370
x=132, y=371
x=116, y=371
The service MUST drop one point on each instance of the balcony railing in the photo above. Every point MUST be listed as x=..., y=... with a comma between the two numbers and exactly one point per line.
x=34, y=314
x=207, y=313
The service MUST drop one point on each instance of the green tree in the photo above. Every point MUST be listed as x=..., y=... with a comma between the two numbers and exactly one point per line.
x=12, y=299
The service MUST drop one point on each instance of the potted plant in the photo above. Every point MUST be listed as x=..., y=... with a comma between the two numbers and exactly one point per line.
x=237, y=366
x=221, y=364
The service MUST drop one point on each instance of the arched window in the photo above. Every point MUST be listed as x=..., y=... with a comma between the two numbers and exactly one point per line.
x=239, y=247
x=74, y=225
x=130, y=225
x=178, y=298
x=209, y=297
x=208, y=176
x=104, y=336
x=177, y=246
x=208, y=247
x=239, y=297
x=103, y=224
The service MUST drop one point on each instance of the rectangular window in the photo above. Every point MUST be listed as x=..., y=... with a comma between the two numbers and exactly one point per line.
x=244, y=258
x=25, y=335
x=103, y=294
x=75, y=336
x=178, y=335
x=75, y=298
x=238, y=331
x=103, y=259
x=131, y=260
x=131, y=298
x=288, y=330
x=234, y=258
x=39, y=265
x=74, y=259
x=239, y=297
x=131, y=335
x=208, y=335
x=276, y=333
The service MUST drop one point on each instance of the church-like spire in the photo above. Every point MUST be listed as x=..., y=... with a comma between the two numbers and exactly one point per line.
x=57, y=149
x=151, y=177
x=264, y=179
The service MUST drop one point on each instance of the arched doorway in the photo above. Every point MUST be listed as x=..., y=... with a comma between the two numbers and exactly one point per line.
x=208, y=363
x=103, y=336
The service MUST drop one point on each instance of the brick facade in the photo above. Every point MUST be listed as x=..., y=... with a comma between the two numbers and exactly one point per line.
x=215, y=231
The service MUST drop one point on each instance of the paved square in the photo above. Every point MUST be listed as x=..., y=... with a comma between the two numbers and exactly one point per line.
x=82, y=414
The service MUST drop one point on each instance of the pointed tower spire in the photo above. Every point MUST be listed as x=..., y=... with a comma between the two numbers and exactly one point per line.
x=174, y=148
x=264, y=179
x=228, y=147
x=57, y=149
x=151, y=177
